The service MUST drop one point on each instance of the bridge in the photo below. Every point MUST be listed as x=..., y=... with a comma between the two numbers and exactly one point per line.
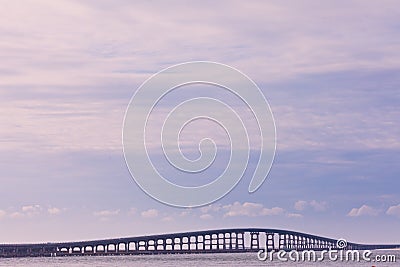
x=210, y=241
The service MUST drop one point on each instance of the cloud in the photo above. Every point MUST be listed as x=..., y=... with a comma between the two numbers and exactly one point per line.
x=185, y=213
x=294, y=215
x=151, y=213
x=364, y=210
x=109, y=57
x=318, y=206
x=315, y=205
x=394, y=210
x=27, y=211
x=106, y=213
x=250, y=209
x=272, y=211
x=54, y=211
x=300, y=205
x=31, y=208
x=211, y=208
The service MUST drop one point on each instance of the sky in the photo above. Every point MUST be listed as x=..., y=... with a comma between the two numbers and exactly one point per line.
x=329, y=71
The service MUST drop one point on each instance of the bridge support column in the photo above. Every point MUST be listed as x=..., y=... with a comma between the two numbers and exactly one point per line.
x=241, y=241
x=236, y=241
x=254, y=243
x=196, y=242
x=270, y=242
x=282, y=241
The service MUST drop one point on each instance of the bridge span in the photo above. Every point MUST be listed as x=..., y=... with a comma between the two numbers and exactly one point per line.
x=209, y=241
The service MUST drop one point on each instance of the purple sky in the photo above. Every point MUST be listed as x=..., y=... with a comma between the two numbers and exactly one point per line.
x=328, y=69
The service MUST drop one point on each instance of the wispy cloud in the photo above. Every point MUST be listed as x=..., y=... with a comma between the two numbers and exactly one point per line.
x=250, y=209
x=106, y=213
x=300, y=205
x=364, y=210
x=211, y=208
x=31, y=209
x=27, y=211
x=294, y=215
x=95, y=75
x=54, y=211
x=394, y=210
x=151, y=213
x=315, y=205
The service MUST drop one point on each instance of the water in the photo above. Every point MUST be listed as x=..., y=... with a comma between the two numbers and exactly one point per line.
x=192, y=260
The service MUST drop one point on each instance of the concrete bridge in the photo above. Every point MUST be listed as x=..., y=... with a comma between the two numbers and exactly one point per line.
x=210, y=241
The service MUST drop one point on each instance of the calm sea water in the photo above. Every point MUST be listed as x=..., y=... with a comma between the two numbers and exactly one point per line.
x=192, y=260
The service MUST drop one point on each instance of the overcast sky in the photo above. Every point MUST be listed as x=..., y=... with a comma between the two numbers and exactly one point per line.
x=329, y=70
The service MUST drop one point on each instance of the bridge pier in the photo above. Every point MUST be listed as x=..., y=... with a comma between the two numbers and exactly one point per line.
x=254, y=243
x=269, y=241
